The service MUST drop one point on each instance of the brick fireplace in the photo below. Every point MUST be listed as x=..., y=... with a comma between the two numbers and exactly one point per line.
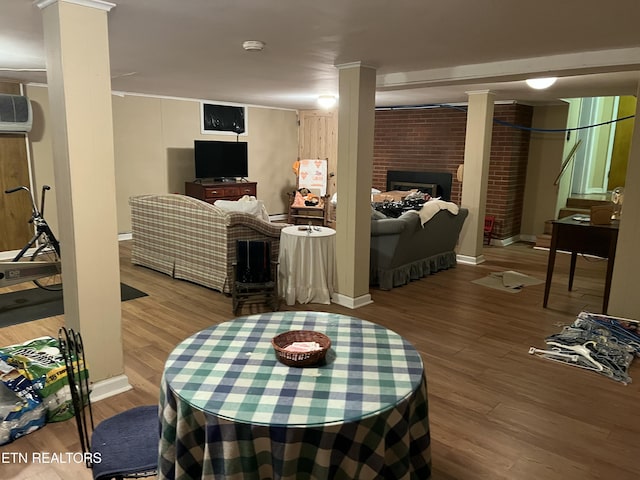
x=432, y=141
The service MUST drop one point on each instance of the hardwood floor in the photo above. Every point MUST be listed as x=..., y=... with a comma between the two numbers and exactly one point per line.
x=496, y=412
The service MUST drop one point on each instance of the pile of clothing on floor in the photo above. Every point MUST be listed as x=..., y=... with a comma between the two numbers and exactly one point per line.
x=394, y=207
x=601, y=343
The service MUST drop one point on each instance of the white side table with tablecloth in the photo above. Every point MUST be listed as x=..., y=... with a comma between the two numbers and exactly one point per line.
x=307, y=269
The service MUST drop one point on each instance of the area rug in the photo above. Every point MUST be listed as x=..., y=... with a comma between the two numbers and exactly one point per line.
x=36, y=303
x=509, y=281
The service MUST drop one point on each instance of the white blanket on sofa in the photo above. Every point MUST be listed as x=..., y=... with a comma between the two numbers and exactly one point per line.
x=433, y=206
x=246, y=204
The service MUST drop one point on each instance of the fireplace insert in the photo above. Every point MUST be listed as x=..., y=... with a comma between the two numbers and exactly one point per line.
x=436, y=184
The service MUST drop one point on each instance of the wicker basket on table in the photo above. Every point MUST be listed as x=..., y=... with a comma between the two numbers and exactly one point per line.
x=300, y=359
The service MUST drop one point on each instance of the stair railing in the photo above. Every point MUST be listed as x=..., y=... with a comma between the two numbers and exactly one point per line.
x=566, y=161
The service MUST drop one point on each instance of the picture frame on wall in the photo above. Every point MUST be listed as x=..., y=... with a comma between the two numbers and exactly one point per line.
x=223, y=119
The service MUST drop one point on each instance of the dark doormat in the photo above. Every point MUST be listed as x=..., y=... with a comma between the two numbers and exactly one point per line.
x=36, y=303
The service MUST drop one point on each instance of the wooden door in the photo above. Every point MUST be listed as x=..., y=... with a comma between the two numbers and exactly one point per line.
x=15, y=209
x=622, y=143
x=318, y=139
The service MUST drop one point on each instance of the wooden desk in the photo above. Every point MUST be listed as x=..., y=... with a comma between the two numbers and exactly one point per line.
x=580, y=237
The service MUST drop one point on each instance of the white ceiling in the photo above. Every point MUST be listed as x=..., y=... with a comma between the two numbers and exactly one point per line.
x=425, y=51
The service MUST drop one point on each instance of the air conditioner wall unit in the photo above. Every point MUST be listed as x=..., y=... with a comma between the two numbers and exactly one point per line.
x=16, y=115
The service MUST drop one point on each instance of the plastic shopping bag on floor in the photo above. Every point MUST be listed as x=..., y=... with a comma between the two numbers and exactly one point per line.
x=21, y=408
x=42, y=363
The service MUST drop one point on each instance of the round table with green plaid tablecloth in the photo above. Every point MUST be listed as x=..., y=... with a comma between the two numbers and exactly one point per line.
x=231, y=410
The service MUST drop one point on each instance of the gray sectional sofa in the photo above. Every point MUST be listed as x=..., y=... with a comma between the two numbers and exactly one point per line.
x=403, y=250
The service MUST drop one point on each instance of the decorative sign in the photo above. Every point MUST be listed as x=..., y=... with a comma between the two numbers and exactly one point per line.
x=223, y=119
x=312, y=174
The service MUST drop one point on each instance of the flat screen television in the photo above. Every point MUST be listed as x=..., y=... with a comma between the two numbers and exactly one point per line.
x=220, y=160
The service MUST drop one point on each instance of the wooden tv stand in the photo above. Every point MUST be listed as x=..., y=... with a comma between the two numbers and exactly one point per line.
x=210, y=192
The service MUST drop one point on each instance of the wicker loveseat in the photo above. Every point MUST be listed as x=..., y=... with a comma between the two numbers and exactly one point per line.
x=193, y=240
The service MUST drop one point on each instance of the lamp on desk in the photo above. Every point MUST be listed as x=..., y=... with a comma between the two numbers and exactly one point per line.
x=617, y=197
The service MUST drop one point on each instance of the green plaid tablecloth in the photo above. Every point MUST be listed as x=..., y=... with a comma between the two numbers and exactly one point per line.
x=230, y=410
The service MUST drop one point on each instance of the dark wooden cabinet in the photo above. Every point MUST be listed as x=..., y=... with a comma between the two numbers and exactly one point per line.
x=210, y=192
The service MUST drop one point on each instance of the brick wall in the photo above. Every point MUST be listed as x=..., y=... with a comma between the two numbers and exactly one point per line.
x=508, y=168
x=432, y=140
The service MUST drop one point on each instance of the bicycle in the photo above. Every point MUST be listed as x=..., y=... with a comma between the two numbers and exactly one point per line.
x=44, y=268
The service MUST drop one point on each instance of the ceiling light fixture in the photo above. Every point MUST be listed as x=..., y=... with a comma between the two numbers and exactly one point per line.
x=326, y=101
x=541, y=83
x=253, y=45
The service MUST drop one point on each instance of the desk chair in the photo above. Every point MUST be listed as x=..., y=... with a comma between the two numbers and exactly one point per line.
x=255, y=275
x=123, y=446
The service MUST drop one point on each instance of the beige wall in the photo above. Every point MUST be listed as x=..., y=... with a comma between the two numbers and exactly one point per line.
x=41, y=150
x=623, y=301
x=545, y=158
x=153, y=143
x=273, y=148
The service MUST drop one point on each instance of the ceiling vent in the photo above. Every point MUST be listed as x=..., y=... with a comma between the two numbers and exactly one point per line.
x=16, y=115
x=253, y=45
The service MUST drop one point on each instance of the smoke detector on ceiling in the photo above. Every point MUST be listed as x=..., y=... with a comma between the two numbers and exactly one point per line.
x=253, y=45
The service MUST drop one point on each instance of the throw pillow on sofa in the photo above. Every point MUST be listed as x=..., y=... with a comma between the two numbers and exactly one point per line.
x=376, y=215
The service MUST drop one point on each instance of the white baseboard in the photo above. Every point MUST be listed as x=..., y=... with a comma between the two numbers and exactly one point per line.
x=469, y=260
x=279, y=217
x=351, y=302
x=528, y=238
x=109, y=387
x=506, y=241
x=125, y=236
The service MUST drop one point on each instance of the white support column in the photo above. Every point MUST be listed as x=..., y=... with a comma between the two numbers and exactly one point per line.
x=79, y=79
x=477, y=151
x=356, y=117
